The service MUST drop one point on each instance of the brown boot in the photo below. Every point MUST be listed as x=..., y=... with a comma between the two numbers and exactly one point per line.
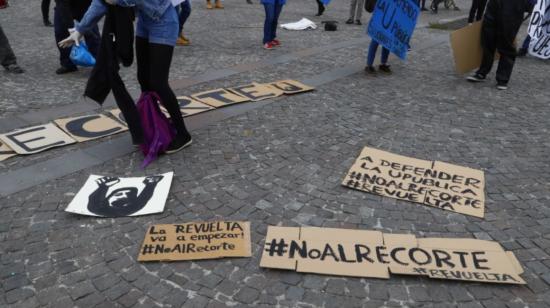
x=219, y=4
x=209, y=5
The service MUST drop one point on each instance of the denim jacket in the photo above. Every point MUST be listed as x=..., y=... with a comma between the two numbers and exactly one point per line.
x=152, y=8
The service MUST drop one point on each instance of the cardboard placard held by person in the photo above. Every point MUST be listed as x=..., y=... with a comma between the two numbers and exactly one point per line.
x=364, y=253
x=195, y=241
x=466, y=47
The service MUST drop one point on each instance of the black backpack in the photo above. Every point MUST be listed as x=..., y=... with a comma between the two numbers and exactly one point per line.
x=369, y=5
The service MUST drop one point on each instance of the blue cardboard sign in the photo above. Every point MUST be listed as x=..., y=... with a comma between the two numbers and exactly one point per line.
x=392, y=24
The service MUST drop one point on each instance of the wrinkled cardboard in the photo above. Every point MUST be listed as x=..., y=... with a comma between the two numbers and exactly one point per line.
x=363, y=253
x=433, y=183
x=36, y=139
x=90, y=127
x=289, y=86
x=229, y=97
x=466, y=47
x=189, y=241
x=117, y=114
x=6, y=152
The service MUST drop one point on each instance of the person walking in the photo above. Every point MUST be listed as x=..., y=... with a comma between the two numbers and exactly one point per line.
x=65, y=12
x=476, y=10
x=273, y=9
x=500, y=26
x=156, y=35
x=356, y=9
x=184, y=12
x=45, y=6
x=7, y=57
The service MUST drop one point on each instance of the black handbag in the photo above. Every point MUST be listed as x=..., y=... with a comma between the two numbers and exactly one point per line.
x=369, y=5
x=330, y=25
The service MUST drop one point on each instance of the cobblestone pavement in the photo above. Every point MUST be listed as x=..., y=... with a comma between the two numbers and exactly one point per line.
x=282, y=164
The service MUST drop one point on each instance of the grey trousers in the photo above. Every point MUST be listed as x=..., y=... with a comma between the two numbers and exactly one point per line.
x=7, y=57
x=356, y=9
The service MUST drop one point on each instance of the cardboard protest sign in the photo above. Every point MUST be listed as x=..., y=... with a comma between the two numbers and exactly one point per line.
x=289, y=86
x=36, y=139
x=363, y=253
x=466, y=47
x=189, y=106
x=198, y=240
x=108, y=196
x=539, y=30
x=90, y=127
x=118, y=115
x=392, y=24
x=6, y=152
x=257, y=92
x=219, y=98
x=437, y=184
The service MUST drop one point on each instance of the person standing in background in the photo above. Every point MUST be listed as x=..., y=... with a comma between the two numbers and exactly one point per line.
x=7, y=57
x=217, y=4
x=45, y=6
x=184, y=11
x=476, y=10
x=273, y=9
x=356, y=9
x=66, y=11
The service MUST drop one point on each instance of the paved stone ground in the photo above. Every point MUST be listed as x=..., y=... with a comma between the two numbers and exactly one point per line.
x=282, y=164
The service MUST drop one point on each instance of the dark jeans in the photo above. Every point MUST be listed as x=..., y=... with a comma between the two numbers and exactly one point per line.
x=153, y=69
x=476, y=10
x=7, y=57
x=184, y=11
x=63, y=20
x=373, y=47
x=45, y=10
x=272, y=12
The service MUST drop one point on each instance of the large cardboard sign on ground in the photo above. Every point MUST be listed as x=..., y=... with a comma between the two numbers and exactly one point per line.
x=36, y=139
x=392, y=24
x=6, y=152
x=198, y=240
x=289, y=86
x=433, y=183
x=90, y=127
x=362, y=253
x=108, y=196
x=219, y=98
x=189, y=106
x=539, y=30
x=466, y=47
x=257, y=92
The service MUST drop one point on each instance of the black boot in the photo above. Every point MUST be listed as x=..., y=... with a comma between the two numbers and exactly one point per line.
x=47, y=23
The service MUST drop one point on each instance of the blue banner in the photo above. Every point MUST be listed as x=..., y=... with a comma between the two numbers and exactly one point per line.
x=392, y=24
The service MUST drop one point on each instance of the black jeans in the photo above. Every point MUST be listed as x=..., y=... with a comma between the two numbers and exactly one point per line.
x=153, y=69
x=63, y=20
x=7, y=57
x=476, y=10
x=45, y=10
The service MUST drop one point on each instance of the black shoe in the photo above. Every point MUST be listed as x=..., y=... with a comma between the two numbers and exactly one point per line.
x=477, y=77
x=320, y=11
x=502, y=86
x=64, y=70
x=522, y=52
x=48, y=23
x=358, y=22
x=349, y=21
x=14, y=69
x=384, y=68
x=179, y=144
x=370, y=70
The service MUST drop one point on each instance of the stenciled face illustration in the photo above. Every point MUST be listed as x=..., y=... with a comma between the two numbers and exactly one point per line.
x=122, y=197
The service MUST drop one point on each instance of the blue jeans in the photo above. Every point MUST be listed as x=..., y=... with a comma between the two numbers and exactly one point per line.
x=163, y=31
x=184, y=12
x=272, y=12
x=372, y=53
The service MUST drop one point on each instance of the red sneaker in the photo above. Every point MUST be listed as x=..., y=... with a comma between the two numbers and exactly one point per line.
x=268, y=45
x=276, y=42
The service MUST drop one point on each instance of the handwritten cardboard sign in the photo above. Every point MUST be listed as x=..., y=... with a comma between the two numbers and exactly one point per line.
x=257, y=92
x=437, y=184
x=189, y=106
x=197, y=240
x=219, y=98
x=6, y=152
x=363, y=253
x=539, y=30
x=392, y=24
x=36, y=139
x=90, y=127
x=289, y=86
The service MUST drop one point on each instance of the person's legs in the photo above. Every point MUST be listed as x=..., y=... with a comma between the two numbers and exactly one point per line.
x=269, y=18
x=184, y=12
x=320, y=8
x=277, y=13
x=480, y=9
x=45, y=6
x=62, y=22
x=488, y=43
x=360, y=8
x=385, y=55
x=473, y=9
x=142, y=60
x=424, y=5
x=507, y=50
x=160, y=59
x=372, y=52
x=352, y=9
x=7, y=57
